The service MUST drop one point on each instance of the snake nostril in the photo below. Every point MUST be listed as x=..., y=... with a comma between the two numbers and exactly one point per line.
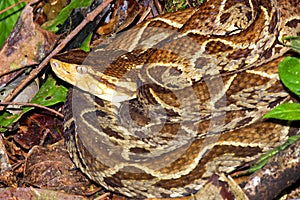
x=54, y=64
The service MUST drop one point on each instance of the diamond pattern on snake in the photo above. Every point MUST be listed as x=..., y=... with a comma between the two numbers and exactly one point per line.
x=180, y=97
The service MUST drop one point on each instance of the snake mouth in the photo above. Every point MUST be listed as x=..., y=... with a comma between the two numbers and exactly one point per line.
x=64, y=71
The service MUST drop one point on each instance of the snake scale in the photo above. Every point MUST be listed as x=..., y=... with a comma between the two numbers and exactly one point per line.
x=180, y=97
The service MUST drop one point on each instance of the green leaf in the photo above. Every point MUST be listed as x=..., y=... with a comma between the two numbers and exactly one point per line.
x=265, y=158
x=286, y=111
x=289, y=72
x=295, y=42
x=6, y=120
x=85, y=46
x=8, y=18
x=49, y=94
x=52, y=25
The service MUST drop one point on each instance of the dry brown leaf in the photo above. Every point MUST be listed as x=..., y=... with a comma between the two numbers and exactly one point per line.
x=26, y=45
x=121, y=17
x=52, y=168
x=33, y=193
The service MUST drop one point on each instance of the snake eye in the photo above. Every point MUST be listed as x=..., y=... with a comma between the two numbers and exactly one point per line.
x=81, y=69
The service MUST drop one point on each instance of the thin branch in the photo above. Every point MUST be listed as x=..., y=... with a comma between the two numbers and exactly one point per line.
x=33, y=105
x=11, y=6
x=90, y=17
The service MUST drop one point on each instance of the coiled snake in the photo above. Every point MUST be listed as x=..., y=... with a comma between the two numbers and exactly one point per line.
x=180, y=97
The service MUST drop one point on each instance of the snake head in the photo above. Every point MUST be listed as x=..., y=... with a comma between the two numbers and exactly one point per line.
x=96, y=83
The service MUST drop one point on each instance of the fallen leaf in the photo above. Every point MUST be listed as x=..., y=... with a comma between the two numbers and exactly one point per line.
x=26, y=45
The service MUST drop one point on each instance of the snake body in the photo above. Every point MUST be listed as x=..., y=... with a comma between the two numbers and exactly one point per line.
x=180, y=97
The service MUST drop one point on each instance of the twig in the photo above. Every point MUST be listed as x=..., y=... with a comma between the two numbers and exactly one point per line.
x=11, y=6
x=144, y=15
x=32, y=105
x=90, y=17
x=103, y=196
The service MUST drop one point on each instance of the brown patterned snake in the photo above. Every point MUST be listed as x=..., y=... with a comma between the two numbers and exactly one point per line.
x=180, y=97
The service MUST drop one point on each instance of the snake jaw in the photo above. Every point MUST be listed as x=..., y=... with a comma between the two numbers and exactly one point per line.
x=83, y=78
